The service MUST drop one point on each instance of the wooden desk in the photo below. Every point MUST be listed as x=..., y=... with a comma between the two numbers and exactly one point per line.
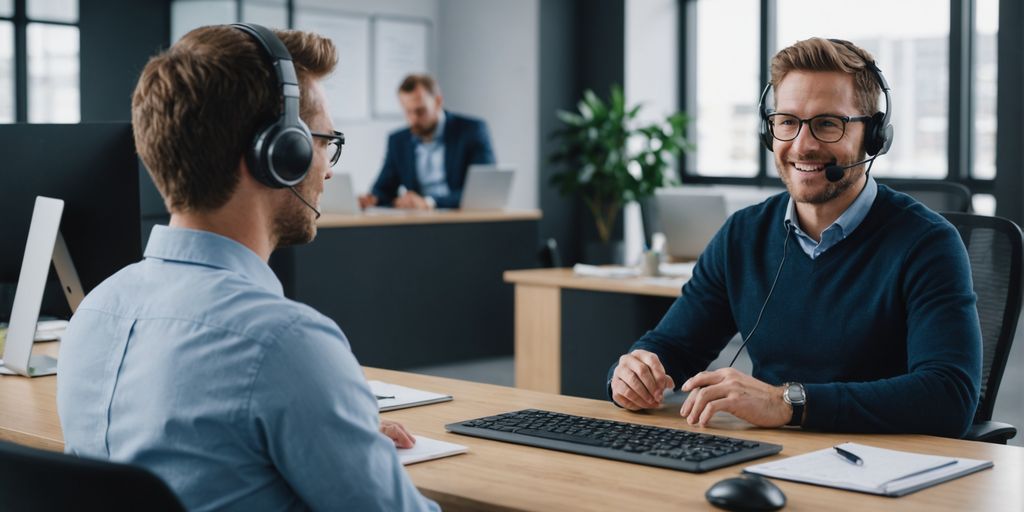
x=501, y=476
x=570, y=329
x=415, y=288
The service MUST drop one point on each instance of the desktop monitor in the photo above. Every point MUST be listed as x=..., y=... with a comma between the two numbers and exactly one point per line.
x=93, y=168
x=689, y=218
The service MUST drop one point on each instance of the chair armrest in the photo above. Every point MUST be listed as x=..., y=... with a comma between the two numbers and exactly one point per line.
x=991, y=432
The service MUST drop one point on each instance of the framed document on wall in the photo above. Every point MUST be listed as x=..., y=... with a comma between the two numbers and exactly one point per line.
x=400, y=47
x=348, y=88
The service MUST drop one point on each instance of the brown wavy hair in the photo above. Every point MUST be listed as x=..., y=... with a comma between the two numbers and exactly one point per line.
x=197, y=107
x=818, y=54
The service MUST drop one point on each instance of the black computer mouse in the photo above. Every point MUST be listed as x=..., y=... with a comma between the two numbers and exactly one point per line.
x=746, y=493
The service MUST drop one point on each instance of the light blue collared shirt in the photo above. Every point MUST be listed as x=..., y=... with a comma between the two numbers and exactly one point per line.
x=430, y=162
x=193, y=364
x=838, y=230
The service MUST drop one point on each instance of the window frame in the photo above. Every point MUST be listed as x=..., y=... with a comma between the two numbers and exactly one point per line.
x=960, y=143
x=21, y=21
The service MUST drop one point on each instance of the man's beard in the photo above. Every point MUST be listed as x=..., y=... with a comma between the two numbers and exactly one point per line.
x=832, y=189
x=295, y=223
x=423, y=131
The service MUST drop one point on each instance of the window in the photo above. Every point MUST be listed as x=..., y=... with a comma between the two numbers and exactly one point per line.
x=914, y=57
x=6, y=71
x=986, y=26
x=45, y=88
x=726, y=111
x=53, y=10
x=53, y=74
x=727, y=45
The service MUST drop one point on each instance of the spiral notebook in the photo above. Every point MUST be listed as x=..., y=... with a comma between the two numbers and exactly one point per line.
x=884, y=472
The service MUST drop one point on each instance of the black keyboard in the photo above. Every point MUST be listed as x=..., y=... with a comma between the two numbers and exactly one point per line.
x=628, y=442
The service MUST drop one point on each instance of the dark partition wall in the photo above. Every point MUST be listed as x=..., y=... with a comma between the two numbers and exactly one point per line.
x=591, y=343
x=95, y=173
x=414, y=295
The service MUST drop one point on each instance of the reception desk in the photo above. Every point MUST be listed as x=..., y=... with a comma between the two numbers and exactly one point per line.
x=412, y=289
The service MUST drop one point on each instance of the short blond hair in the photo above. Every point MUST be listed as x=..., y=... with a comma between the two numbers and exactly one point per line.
x=818, y=54
x=197, y=107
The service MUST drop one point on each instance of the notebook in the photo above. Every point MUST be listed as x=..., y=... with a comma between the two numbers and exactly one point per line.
x=884, y=472
x=428, y=449
x=392, y=396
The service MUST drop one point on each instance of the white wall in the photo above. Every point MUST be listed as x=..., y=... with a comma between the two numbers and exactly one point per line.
x=366, y=140
x=652, y=59
x=489, y=66
x=483, y=52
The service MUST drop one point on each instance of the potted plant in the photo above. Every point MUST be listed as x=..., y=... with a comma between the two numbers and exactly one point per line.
x=611, y=159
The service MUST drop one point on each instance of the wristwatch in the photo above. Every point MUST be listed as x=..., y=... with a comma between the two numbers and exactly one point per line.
x=793, y=394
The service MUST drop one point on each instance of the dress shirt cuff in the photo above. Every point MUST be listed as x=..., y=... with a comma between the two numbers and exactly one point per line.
x=431, y=202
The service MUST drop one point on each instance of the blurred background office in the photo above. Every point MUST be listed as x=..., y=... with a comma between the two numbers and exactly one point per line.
x=956, y=68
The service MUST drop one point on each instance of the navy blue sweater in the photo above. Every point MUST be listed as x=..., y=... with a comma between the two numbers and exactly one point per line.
x=881, y=329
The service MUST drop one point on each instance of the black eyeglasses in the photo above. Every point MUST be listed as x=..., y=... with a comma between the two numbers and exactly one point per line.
x=827, y=128
x=335, y=141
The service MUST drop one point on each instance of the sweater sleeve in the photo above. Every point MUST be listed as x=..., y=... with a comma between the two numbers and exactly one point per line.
x=699, y=323
x=939, y=393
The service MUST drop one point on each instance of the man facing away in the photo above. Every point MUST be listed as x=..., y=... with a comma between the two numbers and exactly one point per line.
x=429, y=159
x=192, y=363
x=855, y=301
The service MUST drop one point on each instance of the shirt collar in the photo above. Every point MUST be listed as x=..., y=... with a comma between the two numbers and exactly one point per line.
x=198, y=247
x=851, y=218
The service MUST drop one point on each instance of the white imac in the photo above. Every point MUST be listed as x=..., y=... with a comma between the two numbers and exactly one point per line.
x=44, y=244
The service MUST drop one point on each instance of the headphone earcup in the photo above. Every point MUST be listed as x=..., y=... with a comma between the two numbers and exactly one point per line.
x=280, y=157
x=255, y=156
x=765, y=134
x=877, y=135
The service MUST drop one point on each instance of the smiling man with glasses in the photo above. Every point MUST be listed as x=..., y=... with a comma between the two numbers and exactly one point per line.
x=853, y=300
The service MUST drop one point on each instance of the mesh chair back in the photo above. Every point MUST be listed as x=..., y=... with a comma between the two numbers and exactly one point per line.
x=995, y=246
x=39, y=480
x=940, y=196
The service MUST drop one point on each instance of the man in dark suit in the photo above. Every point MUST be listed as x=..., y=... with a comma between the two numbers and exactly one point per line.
x=429, y=159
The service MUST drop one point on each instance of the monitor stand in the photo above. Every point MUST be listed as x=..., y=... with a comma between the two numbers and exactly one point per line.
x=44, y=244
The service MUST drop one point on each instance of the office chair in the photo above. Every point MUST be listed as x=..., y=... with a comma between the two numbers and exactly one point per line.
x=548, y=256
x=941, y=196
x=32, y=479
x=995, y=246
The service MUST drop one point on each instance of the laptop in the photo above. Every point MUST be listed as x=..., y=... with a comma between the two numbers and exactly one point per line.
x=487, y=187
x=339, y=196
x=689, y=218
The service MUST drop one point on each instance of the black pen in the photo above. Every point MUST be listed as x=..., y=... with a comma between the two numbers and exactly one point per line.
x=850, y=457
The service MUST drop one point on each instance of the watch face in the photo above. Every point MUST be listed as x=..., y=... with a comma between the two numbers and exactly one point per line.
x=795, y=394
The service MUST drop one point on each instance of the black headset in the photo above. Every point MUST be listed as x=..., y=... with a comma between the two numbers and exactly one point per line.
x=877, y=137
x=282, y=150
